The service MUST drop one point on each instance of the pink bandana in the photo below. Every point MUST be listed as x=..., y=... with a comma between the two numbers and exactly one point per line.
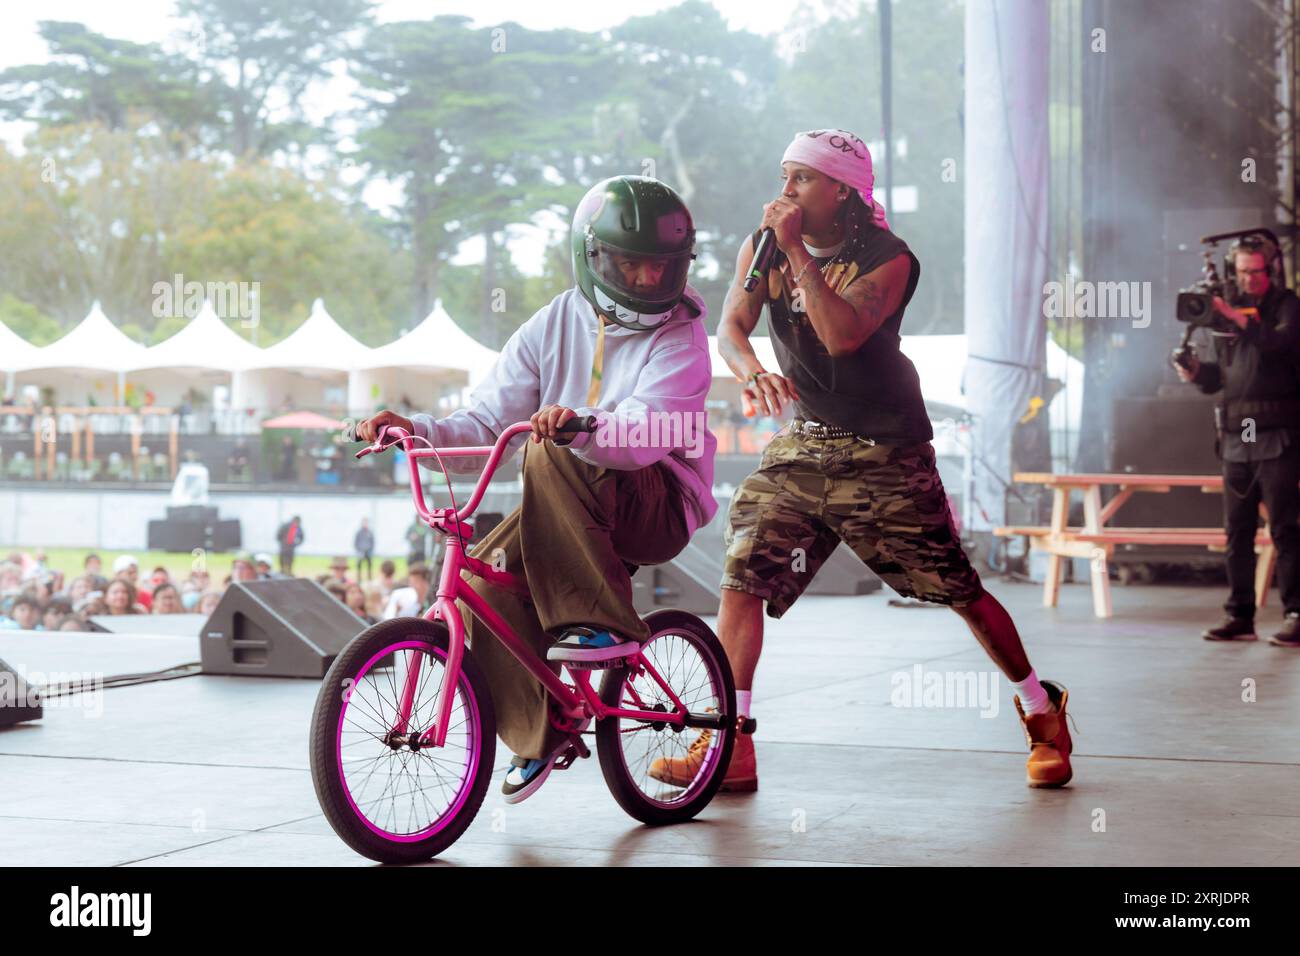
x=840, y=155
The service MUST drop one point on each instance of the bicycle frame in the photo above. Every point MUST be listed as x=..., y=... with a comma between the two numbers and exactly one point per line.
x=452, y=588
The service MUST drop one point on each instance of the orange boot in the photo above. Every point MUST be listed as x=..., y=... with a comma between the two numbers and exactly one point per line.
x=742, y=772
x=1049, y=741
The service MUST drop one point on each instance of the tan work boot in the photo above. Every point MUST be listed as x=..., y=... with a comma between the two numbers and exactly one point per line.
x=742, y=772
x=1049, y=741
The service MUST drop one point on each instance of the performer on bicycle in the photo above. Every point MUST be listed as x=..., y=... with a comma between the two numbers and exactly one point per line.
x=856, y=465
x=628, y=345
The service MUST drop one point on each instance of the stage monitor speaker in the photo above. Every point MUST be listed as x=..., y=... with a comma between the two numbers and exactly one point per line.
x=288, y=627
x=18, y=701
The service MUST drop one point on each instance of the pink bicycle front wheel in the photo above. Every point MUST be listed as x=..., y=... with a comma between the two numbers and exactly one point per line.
x=389, y=795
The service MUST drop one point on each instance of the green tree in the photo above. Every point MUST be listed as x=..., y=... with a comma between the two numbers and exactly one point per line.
x=27, y=321
x=267, y=53
x=695, y=99
x=484, y=128
x=88, y=213
x=94, y=78
x=289, y=235
x=834, y=81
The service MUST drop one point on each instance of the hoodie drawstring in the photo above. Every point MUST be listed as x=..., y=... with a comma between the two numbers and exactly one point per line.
x=597, y=365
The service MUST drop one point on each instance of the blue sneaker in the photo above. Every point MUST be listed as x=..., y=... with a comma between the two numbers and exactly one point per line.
x=583, y=645
x=525, y=778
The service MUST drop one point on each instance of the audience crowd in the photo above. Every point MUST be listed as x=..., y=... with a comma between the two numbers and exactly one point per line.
x=33, y=596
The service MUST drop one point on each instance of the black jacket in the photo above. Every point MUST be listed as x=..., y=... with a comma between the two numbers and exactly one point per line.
x=1258, y=368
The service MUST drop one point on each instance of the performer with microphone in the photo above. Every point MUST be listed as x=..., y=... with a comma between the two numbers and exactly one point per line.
x=856, y=465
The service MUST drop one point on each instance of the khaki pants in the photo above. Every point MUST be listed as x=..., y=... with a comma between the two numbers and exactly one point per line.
x=577, y=525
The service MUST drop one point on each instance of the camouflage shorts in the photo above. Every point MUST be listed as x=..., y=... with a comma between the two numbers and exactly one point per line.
x=886, y=502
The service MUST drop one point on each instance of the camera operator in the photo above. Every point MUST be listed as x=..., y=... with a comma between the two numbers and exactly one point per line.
x=1257, y=368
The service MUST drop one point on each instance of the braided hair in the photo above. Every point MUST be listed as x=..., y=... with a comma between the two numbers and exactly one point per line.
x=858, y=220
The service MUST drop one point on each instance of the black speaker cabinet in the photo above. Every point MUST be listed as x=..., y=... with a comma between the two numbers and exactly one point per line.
x=203, y=514
x=173, y=535
x=224, y=535
x=289, y=627
x=18, y=701
x=1167, y=436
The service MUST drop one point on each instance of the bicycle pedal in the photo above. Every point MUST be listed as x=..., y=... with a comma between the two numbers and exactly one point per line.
x=748, y=725
x=575, y=752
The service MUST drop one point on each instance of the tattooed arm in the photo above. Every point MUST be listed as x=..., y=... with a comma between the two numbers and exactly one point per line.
x=740, y=315
x=846, y=320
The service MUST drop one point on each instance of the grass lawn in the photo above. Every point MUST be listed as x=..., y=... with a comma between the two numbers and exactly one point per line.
x=71, y=561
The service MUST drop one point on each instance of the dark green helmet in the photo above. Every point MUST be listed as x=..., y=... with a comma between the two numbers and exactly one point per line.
x=632, y=239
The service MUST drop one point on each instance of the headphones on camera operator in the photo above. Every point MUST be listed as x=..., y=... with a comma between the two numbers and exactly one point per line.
x=1195, y=306
x=1195, y=309
x=1260, y=242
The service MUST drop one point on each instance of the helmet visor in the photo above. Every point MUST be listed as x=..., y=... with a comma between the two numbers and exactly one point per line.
x=640, y=277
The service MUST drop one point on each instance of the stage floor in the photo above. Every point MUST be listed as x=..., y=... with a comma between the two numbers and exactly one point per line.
x=1172, y=767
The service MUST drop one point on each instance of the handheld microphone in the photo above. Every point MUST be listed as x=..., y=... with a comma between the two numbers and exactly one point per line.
x=762, y=259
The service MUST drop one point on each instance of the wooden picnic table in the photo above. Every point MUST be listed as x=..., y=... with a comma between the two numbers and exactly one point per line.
x=1096, y=539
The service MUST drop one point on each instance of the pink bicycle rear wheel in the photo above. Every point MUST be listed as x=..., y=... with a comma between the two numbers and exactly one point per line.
x=634, y=754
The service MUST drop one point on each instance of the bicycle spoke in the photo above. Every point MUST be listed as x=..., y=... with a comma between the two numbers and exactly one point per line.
x=399, y=789
x=684, y=666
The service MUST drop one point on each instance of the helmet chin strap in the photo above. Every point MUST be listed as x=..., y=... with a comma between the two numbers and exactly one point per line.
x=626, y=317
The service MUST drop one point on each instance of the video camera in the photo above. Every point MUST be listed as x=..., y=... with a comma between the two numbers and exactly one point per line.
x=1195, y=305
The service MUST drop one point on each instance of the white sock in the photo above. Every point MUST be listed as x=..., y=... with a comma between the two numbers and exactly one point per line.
x=1032, y=694
x=744, y=699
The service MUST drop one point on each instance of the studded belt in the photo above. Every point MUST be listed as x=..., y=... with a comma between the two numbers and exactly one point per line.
x=822, y=430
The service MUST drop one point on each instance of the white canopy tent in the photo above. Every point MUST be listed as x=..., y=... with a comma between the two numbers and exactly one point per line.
x=205, y=353
x=74, y=365
x=315, y=357
x=15, y=351
x=205, y=343
x=433, y=361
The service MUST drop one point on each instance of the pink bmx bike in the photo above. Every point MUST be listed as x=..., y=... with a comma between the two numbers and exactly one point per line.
x=403, y=736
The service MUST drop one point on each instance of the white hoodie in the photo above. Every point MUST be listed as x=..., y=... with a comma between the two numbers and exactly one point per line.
x=650, y=407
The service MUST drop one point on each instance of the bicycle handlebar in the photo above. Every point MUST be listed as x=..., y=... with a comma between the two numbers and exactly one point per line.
x=581, y=423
